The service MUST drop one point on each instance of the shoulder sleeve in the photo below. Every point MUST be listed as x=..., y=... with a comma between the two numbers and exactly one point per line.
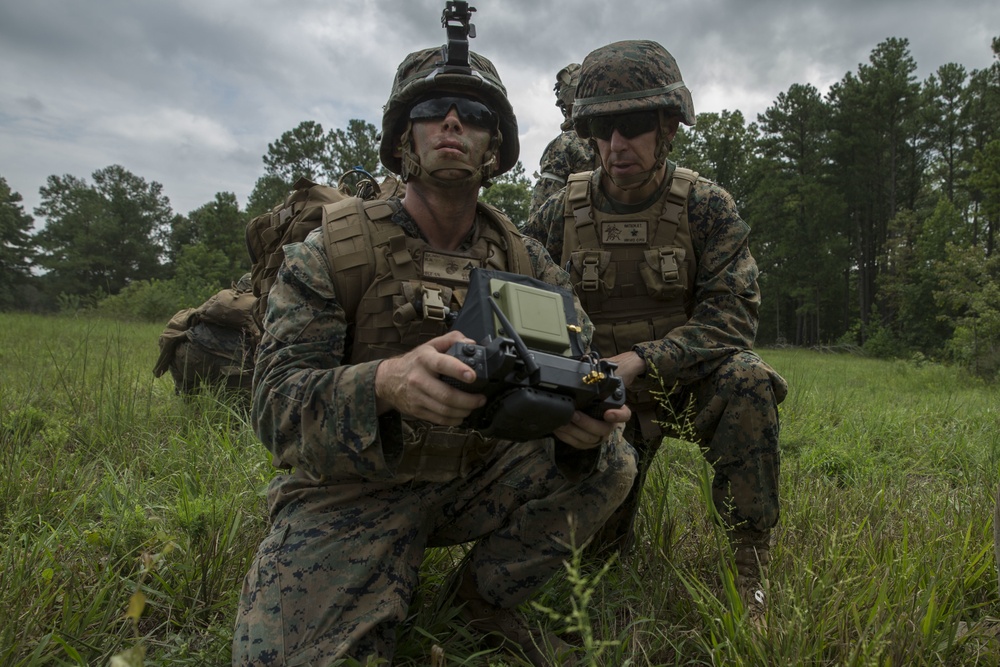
x=309, y=409
x=726, y=296
x=546, y=224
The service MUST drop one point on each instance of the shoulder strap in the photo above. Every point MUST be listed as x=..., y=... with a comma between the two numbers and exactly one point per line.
x=353, y=229
x=675, y=207
x=350, y=243
x=579, y=229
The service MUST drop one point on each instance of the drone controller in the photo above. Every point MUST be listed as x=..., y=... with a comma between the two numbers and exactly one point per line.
x=528, y=362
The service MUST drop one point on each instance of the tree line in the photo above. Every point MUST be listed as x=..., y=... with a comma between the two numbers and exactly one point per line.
x=114, y=244
x=874, y=209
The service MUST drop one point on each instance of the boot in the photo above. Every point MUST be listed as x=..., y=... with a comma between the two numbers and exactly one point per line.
x=751, y=555
x=508, y=629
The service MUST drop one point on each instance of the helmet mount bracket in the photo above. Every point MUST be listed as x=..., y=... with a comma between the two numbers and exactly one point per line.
x=456, y=20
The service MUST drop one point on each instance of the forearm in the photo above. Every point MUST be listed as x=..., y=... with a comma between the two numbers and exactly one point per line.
x=717, y=330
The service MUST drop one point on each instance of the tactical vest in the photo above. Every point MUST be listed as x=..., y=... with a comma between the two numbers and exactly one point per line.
x=634, y=273
x=397, y=292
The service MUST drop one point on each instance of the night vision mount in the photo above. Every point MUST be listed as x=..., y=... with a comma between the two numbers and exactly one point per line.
x=456, y=19
x=529, y=362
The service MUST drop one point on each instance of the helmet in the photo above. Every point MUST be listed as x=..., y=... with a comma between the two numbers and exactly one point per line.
x=634, y=75
x=565, y=88
x=244, y=284
x=425, y=72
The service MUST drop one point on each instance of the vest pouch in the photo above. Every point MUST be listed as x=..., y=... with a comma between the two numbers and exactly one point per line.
x=592, y=271
x=421, y=311
x=665, y=273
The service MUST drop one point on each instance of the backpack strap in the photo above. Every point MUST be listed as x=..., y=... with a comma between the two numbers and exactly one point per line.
x=583, y=233
x=350, y=247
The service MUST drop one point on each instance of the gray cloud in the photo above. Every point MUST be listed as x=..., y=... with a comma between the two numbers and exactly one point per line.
x=189, y=93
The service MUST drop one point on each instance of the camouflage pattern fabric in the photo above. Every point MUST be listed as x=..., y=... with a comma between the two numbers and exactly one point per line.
x=710, y=360
x=335, y=576
x=565, y=88
x=629, y=76
x=733, y=415
x=424, y=72
x=566, y=154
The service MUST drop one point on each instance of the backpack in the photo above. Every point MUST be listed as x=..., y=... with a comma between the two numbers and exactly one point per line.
x=293, y=220
x=173, y=335
x=229, y=309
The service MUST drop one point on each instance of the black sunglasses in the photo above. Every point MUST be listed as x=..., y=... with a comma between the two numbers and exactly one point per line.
x=469, y=111
x=629, y=125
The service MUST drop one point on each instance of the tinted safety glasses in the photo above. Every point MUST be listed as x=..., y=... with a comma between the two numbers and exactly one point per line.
x=629, y=125
x=471, y=112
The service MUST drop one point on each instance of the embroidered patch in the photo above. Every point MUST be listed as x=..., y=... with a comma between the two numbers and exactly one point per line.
x=448, y=267
x=624, y=233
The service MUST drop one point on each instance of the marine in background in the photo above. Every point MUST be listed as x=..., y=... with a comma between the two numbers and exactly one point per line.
x=660, y=259
x=567, y=153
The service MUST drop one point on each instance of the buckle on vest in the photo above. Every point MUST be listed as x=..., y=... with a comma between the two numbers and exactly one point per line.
x=591, y=275
x=433, y=305
x=668, y=265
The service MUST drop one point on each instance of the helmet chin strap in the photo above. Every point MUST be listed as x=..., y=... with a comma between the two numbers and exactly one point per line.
x=640, y=180
x=479, y=177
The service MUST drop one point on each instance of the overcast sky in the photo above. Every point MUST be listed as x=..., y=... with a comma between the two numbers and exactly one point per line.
x=189, y=93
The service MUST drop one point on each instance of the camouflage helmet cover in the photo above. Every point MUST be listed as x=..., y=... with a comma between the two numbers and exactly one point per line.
x=424, y=73
x=244, y=284
x=565, y=87
x=628, y=76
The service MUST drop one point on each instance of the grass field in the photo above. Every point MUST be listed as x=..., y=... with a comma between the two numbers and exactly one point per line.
x=128, y=517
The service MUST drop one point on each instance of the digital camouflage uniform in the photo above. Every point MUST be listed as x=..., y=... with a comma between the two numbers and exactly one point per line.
x=718, y=385
x=335, y=576
x=567, y=153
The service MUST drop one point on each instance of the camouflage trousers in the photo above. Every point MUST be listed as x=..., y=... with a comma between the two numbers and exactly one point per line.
x=337, y=572
x=733, y=415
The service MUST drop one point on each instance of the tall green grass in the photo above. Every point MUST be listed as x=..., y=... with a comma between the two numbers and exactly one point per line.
x=111, y=484
x=129, y=515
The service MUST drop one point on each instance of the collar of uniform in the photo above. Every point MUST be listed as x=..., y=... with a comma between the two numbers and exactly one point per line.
x=607, y=205
x=403, y=218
